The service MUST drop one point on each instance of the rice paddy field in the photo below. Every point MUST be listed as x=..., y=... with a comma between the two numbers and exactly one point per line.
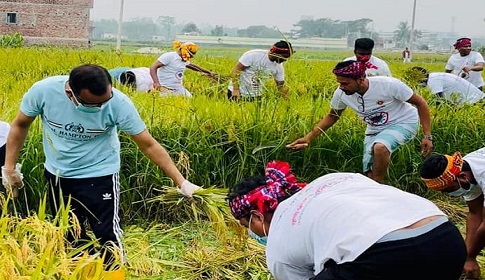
x=213, y=143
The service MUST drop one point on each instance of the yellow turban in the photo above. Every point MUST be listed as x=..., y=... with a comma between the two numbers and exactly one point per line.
x=451, y=172
x=187, y=50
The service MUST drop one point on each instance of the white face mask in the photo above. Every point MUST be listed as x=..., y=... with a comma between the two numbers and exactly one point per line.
x=459, y=192
x=85, y=109
x=261, y=240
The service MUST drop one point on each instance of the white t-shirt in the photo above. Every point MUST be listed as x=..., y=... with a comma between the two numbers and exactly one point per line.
x=384, y=103
x=454, y=88
x=456, y=62
x=382, y=67
x=4, y=130
x=259, y=68
x=171, y=74
x=476, y=160
x=337, y=216
x=144, y=81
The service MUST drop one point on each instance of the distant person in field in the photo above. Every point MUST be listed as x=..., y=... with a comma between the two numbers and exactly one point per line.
x=345, y=226
x=363, y=53
x=406, y=55
x=138, y=78
x=168, y=70
x=254, y=67
x=81, y=115
x=4, y=129
x=390, y=109
x=459, y=176
x=466, y=63
x=449, y=87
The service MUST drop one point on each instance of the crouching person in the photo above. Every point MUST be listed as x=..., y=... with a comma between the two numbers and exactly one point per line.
x=346, y=226
x=81, y=115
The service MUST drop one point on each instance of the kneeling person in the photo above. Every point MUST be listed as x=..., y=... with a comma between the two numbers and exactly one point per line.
x=346, y=226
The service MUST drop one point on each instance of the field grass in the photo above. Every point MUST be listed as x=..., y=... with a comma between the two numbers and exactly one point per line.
x=211, y=140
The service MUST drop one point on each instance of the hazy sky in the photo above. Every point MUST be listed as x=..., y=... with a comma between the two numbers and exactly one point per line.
x=466, y=17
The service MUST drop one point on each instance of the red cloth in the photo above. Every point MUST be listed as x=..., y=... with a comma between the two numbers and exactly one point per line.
x=280, y=183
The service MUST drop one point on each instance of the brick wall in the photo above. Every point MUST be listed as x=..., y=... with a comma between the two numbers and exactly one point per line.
x=53, y=22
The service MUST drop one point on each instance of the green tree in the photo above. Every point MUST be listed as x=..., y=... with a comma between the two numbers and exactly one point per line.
x=167, y=25
x=190, y=27
x=402, y=34
x=258, y=31
x=218, y=31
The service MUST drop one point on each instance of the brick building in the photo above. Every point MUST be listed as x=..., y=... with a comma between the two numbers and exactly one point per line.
x=51, y=22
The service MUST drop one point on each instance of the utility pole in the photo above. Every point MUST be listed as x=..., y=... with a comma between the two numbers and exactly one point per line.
x=120, y=22
x=411, y=35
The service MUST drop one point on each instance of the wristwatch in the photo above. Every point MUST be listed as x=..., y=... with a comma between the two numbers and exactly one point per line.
x=428, y=137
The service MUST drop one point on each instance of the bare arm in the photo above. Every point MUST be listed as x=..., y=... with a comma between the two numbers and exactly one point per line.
x=153, y=73
x=197, y=68
x=475, y=227
x=236, y=72
x=477, y=67
x=158, y=155
x=282, y=88
x=425, y=120
x=16, y=139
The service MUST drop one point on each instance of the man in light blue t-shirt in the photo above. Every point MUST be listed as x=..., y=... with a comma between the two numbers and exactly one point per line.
x=81, y=114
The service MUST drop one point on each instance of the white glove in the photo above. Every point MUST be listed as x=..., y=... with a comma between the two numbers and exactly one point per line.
x=187, y=188
x=12, y=180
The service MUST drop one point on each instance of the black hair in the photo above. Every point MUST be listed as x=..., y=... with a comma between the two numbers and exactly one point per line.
x=245, y=185
x=435, y=165
x=284, y=45
x=420, y=70
x=364, y=44
x=343, y=64
x=463, y=38
x=91, y=77
x=128, y=78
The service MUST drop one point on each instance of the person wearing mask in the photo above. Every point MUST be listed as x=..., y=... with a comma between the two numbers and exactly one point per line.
x=464, y=177
x=345, y=226
x=168, y=70
x=363, y=53
x=81, y=115
x=254, y=67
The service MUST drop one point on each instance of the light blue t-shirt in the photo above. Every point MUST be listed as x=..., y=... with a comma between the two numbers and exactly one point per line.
x=78, y=144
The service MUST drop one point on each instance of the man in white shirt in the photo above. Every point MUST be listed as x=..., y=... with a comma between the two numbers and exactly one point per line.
x=137, y=78
x=466, y=63
x=391, y=110
x=464, y=177
x=363, y=53
x=449, y=87
x=346, y=226
x=254, y=67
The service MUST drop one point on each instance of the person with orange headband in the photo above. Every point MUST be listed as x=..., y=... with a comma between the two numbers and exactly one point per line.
x=391, y=110
x=345, y=226
x=168, y=70
x=254, y=66
x=462, y=176
x=466, y=63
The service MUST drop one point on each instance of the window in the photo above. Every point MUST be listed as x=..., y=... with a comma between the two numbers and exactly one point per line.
x=12, y=18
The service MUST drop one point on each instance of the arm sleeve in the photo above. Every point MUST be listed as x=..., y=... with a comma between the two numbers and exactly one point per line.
x=129, y=120
x=336, y=102
x=32, y=102
x=402, y=91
